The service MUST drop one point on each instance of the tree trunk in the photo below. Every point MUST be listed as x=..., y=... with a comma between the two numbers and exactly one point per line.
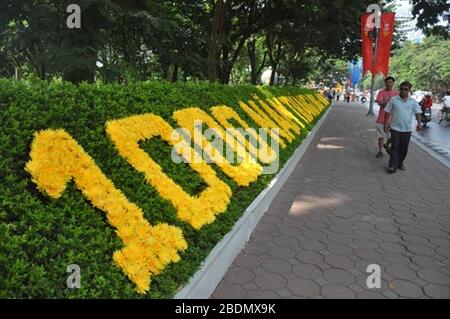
x=286, y=81
x=255, y=72
x=294, y=80
x=272, y=75
x=165, y=71
x=227, y=63
x=223, y=65
x=226, y=74
x=175, y=73
x=251, y=45
x=216, y=39
x=274, y=59
x=17, y=75
x=81, y=51
x=42, y=73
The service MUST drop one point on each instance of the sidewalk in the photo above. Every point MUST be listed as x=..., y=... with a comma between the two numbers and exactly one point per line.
x=339, y=212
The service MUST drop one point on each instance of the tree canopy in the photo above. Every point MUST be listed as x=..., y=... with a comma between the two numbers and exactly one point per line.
x=215, y=40
x=426, y=65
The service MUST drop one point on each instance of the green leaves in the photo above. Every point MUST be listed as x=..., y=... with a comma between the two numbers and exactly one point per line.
x=423, y=64
x=40, y=237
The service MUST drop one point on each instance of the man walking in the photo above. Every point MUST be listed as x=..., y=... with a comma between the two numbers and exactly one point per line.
x=383, y=98
x=401, y=109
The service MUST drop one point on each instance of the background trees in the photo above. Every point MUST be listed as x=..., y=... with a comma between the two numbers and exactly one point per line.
x=216, y=40
x=426, y=65
x=429, y=14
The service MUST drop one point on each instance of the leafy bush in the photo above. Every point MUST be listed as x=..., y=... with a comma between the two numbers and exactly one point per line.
x=40, y=237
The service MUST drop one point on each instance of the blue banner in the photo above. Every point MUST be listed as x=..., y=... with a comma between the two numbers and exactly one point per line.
x=356, y=72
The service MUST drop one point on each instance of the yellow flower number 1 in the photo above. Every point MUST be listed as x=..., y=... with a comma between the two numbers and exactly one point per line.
x=56, y=158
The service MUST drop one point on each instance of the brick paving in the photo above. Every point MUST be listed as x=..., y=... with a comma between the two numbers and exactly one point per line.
x=339, y=212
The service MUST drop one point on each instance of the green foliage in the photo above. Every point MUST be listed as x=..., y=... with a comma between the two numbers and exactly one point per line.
x=424, y=64
x=367, y=81
x=329, y=71
x=428, y=14
x=40, y=237
x=161, y=39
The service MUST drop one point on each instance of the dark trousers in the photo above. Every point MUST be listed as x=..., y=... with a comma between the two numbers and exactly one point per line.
x=399, y=147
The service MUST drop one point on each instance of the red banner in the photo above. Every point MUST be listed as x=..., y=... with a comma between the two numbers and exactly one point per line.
x=367, y=44
x=385, y=43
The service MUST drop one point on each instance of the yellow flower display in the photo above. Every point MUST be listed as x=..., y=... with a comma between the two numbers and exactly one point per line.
x=284, y=132
x=56, y=158
x=302, y=107
x=315, y=101
x=263, y=152
x=264, y=122
x=289, y=127
x=281, y=109
x=321, y=98
x=243, y=173
x=287, y=102
x=196, y=210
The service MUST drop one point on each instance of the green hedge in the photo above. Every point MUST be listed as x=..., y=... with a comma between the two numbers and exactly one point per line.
x=40, y=237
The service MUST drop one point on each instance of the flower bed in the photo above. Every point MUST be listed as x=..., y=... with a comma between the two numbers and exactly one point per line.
x=88, y=178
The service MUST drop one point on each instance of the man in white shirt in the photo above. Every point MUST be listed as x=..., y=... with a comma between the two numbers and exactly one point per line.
x=402, y=109
x=446, y=100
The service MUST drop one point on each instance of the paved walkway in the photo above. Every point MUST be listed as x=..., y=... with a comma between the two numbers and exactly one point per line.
x=339, y=212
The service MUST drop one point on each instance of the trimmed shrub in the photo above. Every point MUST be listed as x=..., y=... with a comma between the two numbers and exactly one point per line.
x=40, y=236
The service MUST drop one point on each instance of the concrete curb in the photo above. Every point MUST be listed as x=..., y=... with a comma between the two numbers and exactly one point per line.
x=215, y=266
x=432, y=150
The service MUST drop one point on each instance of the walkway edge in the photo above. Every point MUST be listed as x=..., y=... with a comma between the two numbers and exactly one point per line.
x=428, y=148
x=215, y=266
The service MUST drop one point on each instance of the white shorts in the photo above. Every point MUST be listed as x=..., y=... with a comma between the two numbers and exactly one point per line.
x=381, y=133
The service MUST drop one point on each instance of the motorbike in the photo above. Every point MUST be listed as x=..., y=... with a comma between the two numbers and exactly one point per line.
x=426, y=116
x=444, y=115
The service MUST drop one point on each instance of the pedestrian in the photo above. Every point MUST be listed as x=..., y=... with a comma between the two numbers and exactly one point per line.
x=382, y=99
x=347, y=96
x=338, y=95
x=402, y=109
x=446, y=100
x=330, y=96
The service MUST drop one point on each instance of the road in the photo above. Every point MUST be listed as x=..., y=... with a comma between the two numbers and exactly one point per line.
x=437, y=134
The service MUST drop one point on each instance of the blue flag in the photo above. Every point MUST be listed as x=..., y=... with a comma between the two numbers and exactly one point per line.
x=356, y=72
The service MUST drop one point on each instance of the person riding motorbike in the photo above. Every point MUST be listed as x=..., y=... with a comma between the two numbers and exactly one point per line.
x=426, y=104
x=427, y=101
x=444, y=113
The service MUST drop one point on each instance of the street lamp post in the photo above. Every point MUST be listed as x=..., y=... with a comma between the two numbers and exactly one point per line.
x=376, y=30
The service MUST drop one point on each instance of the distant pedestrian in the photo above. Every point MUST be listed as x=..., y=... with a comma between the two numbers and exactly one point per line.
x=330, y=96
x=382, y=99
x=347, y=97
x=402, y=109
